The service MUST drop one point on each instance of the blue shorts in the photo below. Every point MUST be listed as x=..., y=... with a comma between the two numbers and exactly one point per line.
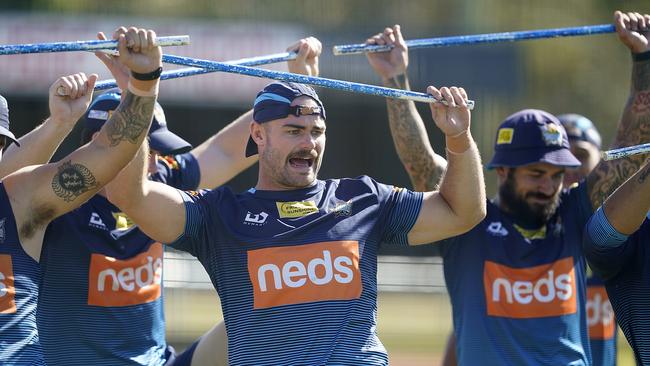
x=182, y=359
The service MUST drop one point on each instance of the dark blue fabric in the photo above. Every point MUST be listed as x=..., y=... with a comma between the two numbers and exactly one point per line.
x=532, y=136
x=528, y=337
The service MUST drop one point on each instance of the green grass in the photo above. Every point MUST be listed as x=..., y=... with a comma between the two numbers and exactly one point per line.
x=413, y=327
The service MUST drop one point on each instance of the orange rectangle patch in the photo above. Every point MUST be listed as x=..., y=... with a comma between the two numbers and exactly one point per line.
x=533, y=292
x=600, y=315
x=305, y=273
x=114, y=282
x=7, y=288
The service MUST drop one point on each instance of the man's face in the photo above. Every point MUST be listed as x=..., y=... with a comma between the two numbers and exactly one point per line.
x=290, y=149
x=588, y=155
x=531, y=193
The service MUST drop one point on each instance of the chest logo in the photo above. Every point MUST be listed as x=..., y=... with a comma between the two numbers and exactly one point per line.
x=600, y=315
x=255, y=219
x=497, y=229
x=96, y=221
x=117, y=282
x=532, y=292
x=7, y=289
x=342, y=208
x=296, y=209
x=305, y=273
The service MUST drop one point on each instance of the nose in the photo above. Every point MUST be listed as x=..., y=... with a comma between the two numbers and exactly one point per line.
x=308, y=142
x=547, y=186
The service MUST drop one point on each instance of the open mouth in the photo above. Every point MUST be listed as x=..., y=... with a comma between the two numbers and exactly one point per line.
x=301, y=163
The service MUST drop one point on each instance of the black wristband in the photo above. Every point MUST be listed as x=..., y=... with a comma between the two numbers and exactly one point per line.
x=643, y=56
x=148, y=76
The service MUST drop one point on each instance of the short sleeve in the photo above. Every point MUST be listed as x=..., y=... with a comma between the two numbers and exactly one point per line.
x=194, y=238
x=403, y=208
x=606, y=250
x=179, y=171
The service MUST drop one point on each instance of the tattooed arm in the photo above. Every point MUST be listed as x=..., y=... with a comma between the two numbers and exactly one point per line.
x=39, y=194
x=423, y=165
x=628, y=206
x=634, y=128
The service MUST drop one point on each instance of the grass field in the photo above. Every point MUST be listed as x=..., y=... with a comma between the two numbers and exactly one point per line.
x=412, y=326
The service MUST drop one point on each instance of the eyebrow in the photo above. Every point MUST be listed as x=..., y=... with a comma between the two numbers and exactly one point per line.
x=301, y=127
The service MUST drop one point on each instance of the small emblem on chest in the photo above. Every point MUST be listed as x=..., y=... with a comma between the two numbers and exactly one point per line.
x=255, y=219
x=497, y=229
x=296, y=209
x=342, y=208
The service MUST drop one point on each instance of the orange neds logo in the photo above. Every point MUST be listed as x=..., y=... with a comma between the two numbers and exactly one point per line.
x=7, y=289
x=533, y=292
x=600, y=315
x=114, y=282
x=305, y=273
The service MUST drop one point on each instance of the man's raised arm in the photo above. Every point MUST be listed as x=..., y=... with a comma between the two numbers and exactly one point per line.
x=423, y=165
x=460, y=203
x=40, y=193
x=633, y=30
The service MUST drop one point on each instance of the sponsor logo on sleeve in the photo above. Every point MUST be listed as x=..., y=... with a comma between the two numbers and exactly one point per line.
x=600, y=315
x=7, y=289
x=115, y=282
x=305, y=273
x=296, y=209
x=533, y=292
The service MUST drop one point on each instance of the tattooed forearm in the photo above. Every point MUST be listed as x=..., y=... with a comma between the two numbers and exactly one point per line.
x=644, y=174
x=423, y=166
x=72, y=180
x=130, y=120
x=633, y=129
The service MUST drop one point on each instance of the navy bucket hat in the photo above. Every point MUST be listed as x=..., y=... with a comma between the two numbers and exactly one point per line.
x=532, y=136
x=160, y=138
x=274, y=102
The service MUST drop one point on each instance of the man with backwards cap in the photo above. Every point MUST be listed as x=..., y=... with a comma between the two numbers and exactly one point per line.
x=33, y=196
x=502, y=273
x=294, y=259
x=101, y=294
x=585, y=144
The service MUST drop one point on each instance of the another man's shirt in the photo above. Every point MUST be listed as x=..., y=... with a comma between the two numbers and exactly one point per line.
x=296, y=270
x=623, y=266
x=520, y=301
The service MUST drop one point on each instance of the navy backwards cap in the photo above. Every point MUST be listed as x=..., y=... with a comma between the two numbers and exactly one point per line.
x=580, y=128
x=274, y=102
x=4, y=121
x=160, y=138
x=532, y=136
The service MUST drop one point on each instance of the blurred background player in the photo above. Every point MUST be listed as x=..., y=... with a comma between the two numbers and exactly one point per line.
x=35, y=195
x=86, y=251
x=585, y=143
x=532, y=152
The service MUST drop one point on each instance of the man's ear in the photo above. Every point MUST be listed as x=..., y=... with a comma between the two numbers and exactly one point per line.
x=258, y=133
x=502, y=172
